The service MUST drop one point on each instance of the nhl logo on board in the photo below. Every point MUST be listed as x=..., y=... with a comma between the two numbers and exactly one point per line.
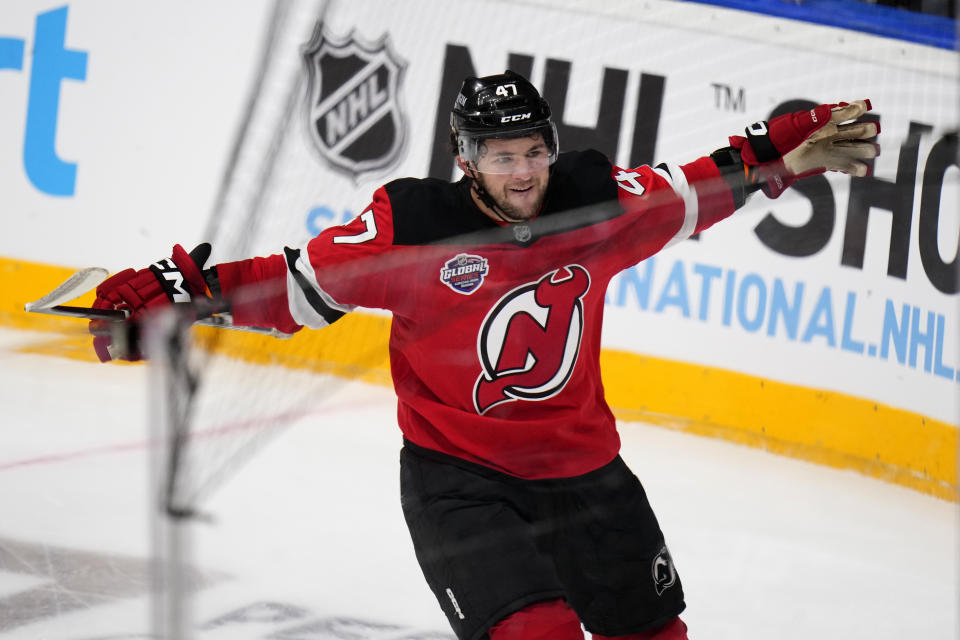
x=353, y=109
x=464, y=273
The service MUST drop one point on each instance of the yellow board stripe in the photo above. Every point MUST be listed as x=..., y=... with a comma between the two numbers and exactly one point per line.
x=820, y=426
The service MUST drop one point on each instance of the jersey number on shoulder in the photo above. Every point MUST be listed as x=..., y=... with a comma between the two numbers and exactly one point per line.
x=369, y=233
x=627, y=180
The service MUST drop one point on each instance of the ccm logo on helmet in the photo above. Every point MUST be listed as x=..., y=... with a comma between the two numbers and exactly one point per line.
x=516, y=118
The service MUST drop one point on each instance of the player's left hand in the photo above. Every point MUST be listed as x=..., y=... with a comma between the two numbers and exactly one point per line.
x=175, y=280
x=806, y=143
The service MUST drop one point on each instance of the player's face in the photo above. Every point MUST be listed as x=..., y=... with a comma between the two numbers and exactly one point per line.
x=515, y=172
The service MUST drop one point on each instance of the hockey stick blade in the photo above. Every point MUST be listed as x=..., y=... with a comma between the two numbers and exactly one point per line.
x=76, y=285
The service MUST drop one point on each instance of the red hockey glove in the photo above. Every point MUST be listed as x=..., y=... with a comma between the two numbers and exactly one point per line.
x=806, y=143
x=175, y=280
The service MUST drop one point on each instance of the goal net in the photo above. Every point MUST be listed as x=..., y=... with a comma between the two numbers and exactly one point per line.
x=351, y=94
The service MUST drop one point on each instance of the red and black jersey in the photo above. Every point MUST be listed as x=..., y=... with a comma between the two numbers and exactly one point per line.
x=495, y=340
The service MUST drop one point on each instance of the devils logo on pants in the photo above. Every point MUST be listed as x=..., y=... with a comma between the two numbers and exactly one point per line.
x=529, y=341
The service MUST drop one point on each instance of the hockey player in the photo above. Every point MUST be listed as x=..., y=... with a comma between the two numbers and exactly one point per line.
x=525, y=520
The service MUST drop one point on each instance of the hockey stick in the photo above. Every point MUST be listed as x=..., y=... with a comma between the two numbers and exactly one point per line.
x=73, y=287
x=87, y=278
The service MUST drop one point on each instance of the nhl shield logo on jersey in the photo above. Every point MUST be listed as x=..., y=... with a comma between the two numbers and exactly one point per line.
x=464, y=273
x=529, y=342
x=353, y=109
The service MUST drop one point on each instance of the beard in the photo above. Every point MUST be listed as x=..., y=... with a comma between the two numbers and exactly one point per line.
x=519, y=200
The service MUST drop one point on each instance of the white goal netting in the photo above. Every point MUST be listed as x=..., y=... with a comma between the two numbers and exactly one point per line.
x=352, y=94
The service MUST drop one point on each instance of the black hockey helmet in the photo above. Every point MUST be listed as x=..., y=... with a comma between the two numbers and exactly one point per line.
x=505, y=105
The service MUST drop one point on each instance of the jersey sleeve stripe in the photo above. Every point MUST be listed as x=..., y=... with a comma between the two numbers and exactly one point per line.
x=309, y=304
x=678, y=180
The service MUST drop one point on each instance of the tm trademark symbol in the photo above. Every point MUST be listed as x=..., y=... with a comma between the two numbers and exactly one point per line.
x=728, y=98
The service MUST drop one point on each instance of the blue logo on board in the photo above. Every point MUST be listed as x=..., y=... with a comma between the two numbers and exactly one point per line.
x=51, y=64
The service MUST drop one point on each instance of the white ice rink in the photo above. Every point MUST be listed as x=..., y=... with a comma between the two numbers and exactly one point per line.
x=308, y=541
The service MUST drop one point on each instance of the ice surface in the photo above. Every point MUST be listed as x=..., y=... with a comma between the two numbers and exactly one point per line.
x=307, y=540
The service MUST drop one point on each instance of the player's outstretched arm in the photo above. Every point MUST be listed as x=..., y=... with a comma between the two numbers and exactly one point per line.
x=249, y=293
x=770, y=157
x=805, y=143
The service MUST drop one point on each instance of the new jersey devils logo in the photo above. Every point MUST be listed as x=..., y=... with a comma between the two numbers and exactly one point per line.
x=664, y=573
x=529, y=341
